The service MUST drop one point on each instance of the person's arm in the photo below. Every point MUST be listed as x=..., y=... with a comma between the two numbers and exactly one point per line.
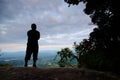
x=28, y=33
x=38, y=36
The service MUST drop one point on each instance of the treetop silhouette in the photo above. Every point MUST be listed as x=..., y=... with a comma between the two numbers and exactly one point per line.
x=105, y=39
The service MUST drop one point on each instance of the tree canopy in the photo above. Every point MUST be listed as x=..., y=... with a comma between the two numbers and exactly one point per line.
x=105, y=39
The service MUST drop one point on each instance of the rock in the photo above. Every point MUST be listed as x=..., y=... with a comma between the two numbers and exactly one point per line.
x=29, y=73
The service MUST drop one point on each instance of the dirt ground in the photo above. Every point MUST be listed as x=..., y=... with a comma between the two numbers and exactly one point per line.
x=21, y=73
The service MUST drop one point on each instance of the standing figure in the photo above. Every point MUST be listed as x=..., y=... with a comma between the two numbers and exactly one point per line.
x=32, y=45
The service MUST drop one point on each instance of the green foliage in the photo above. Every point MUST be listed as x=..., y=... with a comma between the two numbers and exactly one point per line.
x=80, y=50
x=65, y=56
x=86, y=56
x=103, y=50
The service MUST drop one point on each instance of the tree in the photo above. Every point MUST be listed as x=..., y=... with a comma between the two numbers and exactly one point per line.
x=65, y=56
x=105, y=39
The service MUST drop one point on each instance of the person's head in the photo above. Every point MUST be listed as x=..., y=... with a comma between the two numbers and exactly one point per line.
x=33, y=26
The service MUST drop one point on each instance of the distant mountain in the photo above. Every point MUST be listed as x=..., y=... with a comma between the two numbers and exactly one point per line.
x=45, y=58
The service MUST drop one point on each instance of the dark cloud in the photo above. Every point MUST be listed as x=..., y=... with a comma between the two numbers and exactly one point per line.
x=9, y=9
x=58, y=23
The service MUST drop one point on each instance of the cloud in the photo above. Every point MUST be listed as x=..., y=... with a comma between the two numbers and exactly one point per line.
x=12, y=47
x=65, y=38
x=57, y=23
x=9, y=9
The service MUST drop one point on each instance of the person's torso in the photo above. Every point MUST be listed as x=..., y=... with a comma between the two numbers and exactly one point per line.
x=33, y=37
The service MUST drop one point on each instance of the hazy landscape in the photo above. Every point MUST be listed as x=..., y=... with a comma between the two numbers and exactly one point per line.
x=16, y=59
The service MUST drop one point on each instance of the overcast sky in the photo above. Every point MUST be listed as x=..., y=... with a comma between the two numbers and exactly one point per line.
x=58, y=24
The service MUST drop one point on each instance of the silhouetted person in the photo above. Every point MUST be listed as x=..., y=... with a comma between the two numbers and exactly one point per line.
x=32, y=45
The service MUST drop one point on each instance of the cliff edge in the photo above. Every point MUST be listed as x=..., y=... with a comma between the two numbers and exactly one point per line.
x=29, y=73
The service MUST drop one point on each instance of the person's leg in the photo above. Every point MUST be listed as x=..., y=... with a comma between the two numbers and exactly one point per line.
x=35, y=55
x=34, y=63
x=27, y=56
x=34, y=59
x=26, y=63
